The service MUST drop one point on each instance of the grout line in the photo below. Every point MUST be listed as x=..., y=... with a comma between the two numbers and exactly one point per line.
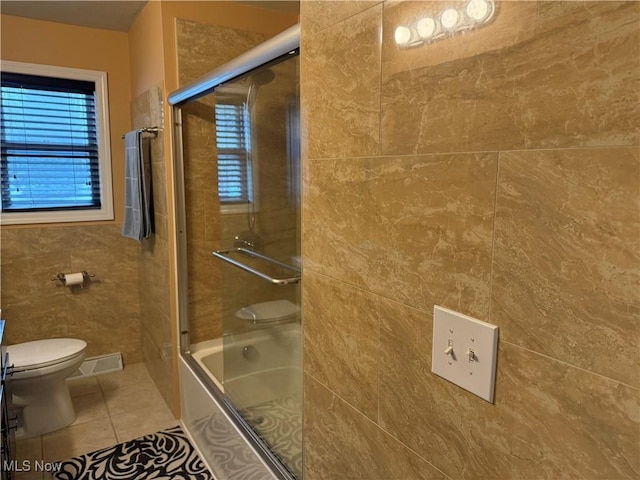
x=470, y=152
x=493, y=235
x=379, y=352
x=570, y=365
x=381, y=51
x=365, y=290
x=376, y=424
x=430, y=314
x=109, y=414
x=344, y=19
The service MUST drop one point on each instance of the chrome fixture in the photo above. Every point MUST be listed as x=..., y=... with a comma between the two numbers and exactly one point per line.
x=152, y=130
x=224, y=255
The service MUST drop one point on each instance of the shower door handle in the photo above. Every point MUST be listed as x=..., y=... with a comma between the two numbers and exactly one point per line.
x=224, y=255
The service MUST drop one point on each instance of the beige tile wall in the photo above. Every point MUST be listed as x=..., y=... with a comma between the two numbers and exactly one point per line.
x=496, y=173
x=105, y=313
x=153, y=254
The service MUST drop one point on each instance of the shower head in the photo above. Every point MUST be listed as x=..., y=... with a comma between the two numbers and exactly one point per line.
x=263, y=77
x=258, y=80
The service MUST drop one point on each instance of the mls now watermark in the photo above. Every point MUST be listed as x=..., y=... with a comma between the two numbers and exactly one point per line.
x=31, y=466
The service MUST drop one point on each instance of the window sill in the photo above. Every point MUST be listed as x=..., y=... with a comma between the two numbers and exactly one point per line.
x=80, y=216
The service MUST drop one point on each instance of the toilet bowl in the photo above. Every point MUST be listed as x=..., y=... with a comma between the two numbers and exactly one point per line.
x=40, y=394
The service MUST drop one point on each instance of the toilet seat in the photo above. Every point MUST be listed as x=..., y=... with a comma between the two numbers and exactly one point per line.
x=44, y=353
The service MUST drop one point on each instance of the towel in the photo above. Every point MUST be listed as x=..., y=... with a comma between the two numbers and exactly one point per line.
x=137, y=189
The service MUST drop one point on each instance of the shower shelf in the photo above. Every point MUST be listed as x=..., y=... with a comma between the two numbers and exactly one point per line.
x=224, y=255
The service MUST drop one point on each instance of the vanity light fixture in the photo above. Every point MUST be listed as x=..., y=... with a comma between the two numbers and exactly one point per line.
x=403, y=35
x=479, y=10
x=426, y=27
x=450, y=18
x=450, y=21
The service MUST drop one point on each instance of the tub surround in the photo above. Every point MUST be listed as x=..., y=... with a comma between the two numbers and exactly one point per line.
x=494, y=173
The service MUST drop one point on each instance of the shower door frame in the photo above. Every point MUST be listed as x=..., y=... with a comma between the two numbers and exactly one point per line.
x=272, y=50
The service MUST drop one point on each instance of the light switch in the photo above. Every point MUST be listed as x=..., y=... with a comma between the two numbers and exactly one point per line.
x=464, y=351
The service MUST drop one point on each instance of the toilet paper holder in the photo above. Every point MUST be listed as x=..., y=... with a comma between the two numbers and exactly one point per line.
x=61, y=277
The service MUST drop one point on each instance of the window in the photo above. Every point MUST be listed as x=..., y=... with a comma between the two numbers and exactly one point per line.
x=55, y=162
x=233, y=139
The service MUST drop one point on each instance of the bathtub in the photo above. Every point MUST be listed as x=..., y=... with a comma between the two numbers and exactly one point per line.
x=260, y=372
x=263, y=379
x=255, y=367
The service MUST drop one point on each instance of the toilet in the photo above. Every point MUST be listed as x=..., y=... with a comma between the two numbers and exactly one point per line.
x=277, y=311
x=40, y=394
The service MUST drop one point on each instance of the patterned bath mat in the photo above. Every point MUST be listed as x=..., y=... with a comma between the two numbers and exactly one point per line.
x=166, y=455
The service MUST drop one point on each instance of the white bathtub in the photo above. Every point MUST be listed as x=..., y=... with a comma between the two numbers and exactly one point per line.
x=261, y=365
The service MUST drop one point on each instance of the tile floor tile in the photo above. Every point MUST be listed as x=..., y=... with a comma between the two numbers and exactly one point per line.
x=133, y=397
x=78, y=439
x=28, y=475
x=80, y=386
x=135, y=424
x=90, y=407
x=134, y=374
x=29, y=449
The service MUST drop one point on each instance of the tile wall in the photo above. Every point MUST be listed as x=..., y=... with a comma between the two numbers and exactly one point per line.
x=36, y=307
x=153, y=255
x=496, y=173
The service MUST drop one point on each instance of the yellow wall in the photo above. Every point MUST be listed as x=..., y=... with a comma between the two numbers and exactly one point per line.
x=48, y=43
x=145, y=49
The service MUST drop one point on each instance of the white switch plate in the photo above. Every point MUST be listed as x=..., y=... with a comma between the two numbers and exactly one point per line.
x=474, y=372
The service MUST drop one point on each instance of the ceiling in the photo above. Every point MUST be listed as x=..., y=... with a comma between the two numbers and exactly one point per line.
x=109, y=15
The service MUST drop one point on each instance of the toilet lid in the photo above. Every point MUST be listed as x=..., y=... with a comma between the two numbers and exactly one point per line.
x=44, y=352
x=268, y=311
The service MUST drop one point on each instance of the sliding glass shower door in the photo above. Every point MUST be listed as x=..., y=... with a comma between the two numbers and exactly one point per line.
x=241, y=161
x=259, y=189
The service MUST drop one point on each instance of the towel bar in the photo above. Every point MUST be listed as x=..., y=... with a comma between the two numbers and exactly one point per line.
x=223, y=255
x=153, y=130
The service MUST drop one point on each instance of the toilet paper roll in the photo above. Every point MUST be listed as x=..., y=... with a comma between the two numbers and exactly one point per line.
x=73, y=278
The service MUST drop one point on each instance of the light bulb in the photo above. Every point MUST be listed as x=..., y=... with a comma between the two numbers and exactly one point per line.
x=478, y=10
x=403, y=35
x=426, y=27
x=450, y=18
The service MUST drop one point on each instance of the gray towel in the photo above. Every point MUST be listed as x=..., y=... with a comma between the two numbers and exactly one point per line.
x=137, y=185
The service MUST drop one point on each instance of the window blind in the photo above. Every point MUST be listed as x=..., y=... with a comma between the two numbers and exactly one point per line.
x=49, y=144
x=233, y=142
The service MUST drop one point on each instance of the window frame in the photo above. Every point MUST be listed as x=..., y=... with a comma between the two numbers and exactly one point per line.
x=105, y=212
x=240, y=208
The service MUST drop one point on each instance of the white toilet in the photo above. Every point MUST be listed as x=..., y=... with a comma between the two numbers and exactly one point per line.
x=40, y=394
x=269, y=312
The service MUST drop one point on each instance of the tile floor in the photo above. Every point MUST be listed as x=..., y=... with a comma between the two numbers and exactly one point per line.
x=111, y=408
